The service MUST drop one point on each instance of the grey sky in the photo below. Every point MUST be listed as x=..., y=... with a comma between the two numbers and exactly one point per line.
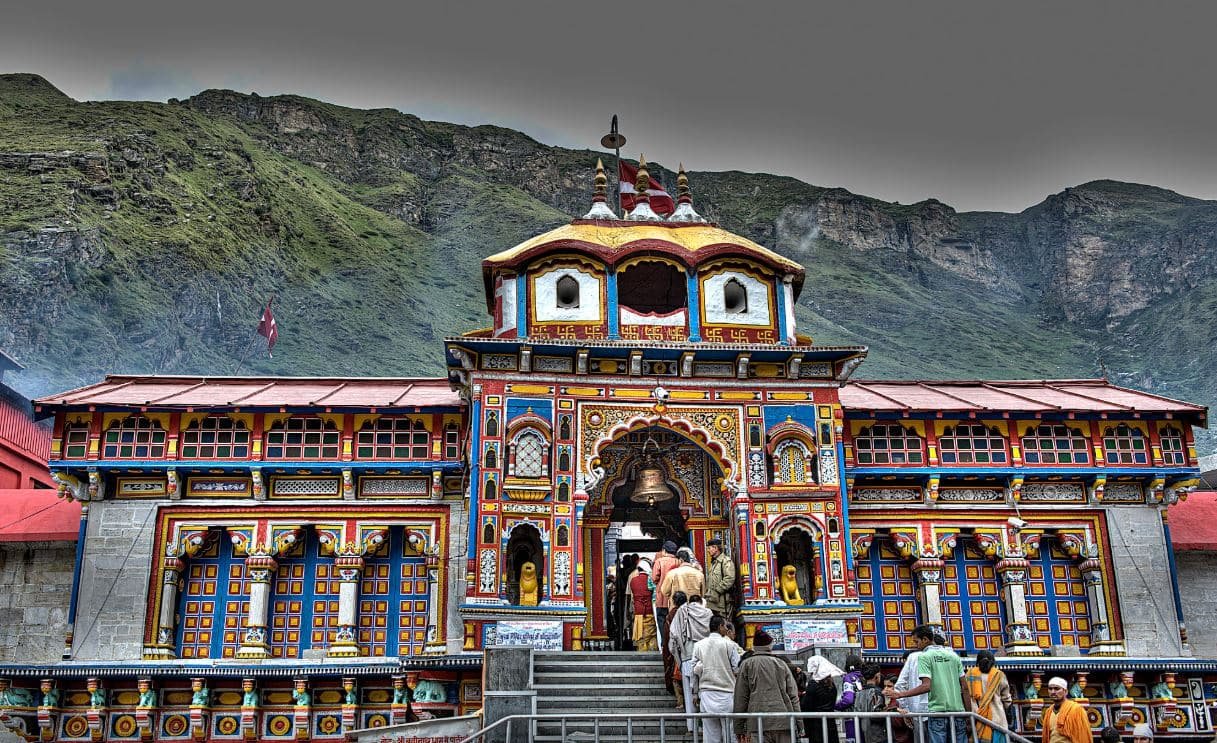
x=983, y=105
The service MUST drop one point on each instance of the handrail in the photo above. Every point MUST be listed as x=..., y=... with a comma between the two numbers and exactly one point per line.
x=629, y=718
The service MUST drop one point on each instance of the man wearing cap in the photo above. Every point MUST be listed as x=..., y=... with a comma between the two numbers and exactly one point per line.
x=720, y=578
x=1142, y=733
x=1065, y=720
x=765, y=684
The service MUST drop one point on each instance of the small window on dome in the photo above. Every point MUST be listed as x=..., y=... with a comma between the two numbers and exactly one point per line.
x=735, y=297
x=568, y=292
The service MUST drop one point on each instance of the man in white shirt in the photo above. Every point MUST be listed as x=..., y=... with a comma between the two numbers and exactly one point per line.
x=715, y=660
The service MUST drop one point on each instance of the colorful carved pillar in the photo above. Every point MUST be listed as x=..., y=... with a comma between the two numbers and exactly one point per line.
x=171, y=571
x=1101, y=640
x=350, y=705
x=400, y=709
x=928, y=571
x=260, y=569
x=1077, y=690
x=1034, y=702
x=350, y=571
x=303, y=709
x=95, y=715
x=1012, y=572
x=200, y=708
x=747, y=590
x=1162, y=701
x=249, y=709
x=48, y=710
x=1118, y=692
x=145, y=709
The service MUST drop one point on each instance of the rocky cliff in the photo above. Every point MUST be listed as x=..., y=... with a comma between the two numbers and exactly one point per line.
x=144, y=237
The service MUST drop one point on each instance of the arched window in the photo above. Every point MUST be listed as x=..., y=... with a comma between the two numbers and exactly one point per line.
x=393, y=600
x=792, y=463
x=491, y=491
x=563, y=491
x=563, y=536
x=889, y=443
x=302, y=438
x=215, y=437
x=213, y=604
x=1055, y=443
x=972, y=609
x=564, y=427
x=393, y=437
x=1124, y=444
x=134, y=437
x=530, y=455
x=567, y=292
x=735, y=297
x=492, y=458
x=76, y=441
x=488, y=533
x=492, y=424
x=1174, y=447
x=564, y=460
x=1056, y=599
x=972, y=443
x=889, y=600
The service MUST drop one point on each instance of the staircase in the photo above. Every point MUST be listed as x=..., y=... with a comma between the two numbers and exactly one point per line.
x=590, y=684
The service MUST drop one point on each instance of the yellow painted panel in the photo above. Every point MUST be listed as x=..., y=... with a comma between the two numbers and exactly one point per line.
x=737, y=395
x=789, y=395
x=689, y=395
x=532, y=389
x=630, y=393
x=584, y=391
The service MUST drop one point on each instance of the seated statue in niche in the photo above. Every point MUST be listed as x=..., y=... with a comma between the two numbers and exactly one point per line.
x=789, y=585
x=530, y=588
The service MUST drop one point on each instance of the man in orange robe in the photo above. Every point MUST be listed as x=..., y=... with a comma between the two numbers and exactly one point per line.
x=1065, y=721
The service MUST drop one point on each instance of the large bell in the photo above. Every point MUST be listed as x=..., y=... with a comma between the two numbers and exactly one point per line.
x=650, y=487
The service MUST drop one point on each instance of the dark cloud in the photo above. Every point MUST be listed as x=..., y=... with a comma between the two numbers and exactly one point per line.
x=982, y=105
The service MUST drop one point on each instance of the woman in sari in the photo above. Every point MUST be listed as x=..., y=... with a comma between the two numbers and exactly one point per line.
x=990, y=695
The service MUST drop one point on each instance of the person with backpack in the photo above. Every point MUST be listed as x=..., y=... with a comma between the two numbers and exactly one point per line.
x=871, y=699
x=851, y=685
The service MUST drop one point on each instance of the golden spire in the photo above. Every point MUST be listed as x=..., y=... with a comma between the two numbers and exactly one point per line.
x=601, y=193
x=682, y=187
x=642, y=183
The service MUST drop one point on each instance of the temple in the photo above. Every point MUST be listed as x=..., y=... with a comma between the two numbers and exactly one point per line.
x=296, y=558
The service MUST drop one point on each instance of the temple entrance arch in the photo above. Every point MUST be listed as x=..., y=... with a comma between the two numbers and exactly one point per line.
x=616, y=528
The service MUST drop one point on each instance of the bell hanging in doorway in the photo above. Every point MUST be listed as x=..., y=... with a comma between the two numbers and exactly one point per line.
x=651, y=486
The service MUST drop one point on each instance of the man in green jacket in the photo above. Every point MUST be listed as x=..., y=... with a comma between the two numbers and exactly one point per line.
x=720, y=580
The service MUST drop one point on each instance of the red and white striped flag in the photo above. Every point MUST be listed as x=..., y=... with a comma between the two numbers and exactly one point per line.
x=661, y=201
x=269, y=328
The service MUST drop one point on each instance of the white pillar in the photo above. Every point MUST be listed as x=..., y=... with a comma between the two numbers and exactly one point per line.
x=350, y=571
x=256, y=643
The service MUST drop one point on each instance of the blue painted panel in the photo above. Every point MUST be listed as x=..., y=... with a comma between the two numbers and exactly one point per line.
x=694, y=308
x=783, y=332
x=521, y=306
x=517, y=406
x=475, y=479
x=804, y=414
x=614, y=320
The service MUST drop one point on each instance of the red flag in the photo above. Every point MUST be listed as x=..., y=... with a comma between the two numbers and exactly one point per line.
x=269, y=328
x=661, y=201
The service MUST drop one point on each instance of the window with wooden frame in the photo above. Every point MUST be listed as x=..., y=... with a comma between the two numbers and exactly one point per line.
x=76, y=441
x=531, y=455
x=889, y=443
x=972, y=443
x=134, y=437
x=215, y=437
x=452, y=441
x=1055, y=443
x=302, y=438
x=792, y=463
x=393, y=437
x=1174, y=446
x=1124, y=444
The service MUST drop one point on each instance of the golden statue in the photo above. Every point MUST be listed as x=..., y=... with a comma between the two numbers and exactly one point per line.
x=789, y=585
x=530, y=590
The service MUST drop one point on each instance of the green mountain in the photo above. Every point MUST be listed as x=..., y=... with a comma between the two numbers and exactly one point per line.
x=145, y=237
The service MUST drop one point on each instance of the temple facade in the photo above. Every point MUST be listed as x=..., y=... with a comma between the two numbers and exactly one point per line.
x=294, y=558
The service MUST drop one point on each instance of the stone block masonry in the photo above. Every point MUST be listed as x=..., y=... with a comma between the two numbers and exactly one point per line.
x=35, y=585
x=1198, y=588
x=114, y=577
x=1147, y=603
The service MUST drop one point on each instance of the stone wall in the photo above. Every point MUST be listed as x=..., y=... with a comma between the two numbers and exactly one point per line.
x=1146, y=601
x=1198, y=588
x=35, y=586
x=114, y=581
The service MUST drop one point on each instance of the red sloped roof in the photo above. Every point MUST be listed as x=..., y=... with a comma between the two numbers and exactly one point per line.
x=252, y=392
x=1047, y=395
x=38, y=515
x=1193, y=522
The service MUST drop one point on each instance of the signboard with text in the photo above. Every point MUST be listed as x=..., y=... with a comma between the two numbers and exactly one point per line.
x=802, y=633
x=541, y=635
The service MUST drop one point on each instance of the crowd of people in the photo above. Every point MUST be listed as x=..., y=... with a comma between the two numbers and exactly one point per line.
x=685, y=610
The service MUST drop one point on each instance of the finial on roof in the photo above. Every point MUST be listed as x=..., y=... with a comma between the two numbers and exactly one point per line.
x=642, y=211
x=684, y=200
x=600, y=208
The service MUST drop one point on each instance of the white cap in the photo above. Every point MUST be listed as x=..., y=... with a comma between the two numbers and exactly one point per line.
x=1058, y=681
x=1143, y=731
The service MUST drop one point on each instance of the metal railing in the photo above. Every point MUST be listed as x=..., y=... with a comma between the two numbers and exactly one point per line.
x=573, y=726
